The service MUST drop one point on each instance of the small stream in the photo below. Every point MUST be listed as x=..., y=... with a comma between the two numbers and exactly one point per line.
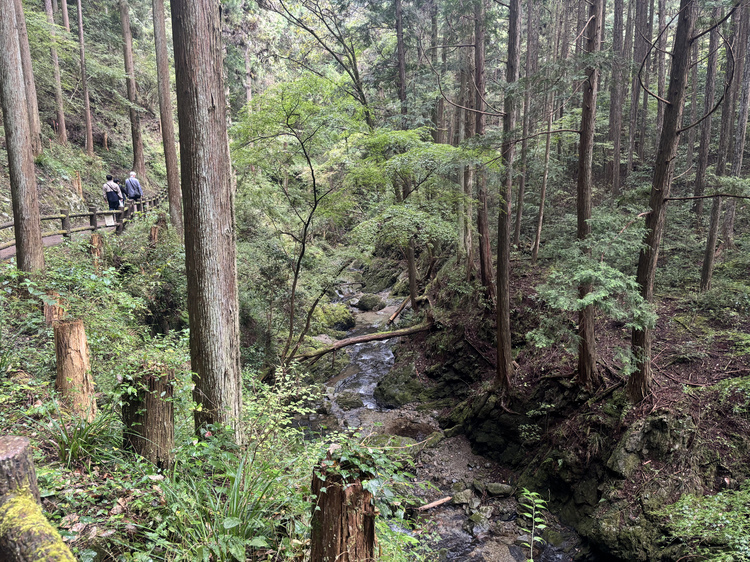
x=494, y=538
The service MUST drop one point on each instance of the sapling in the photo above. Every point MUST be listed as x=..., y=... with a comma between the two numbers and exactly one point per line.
x=534, y=507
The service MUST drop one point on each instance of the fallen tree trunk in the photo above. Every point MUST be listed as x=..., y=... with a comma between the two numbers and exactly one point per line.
x=363, y=339
x=25, y=533
x=399, y=310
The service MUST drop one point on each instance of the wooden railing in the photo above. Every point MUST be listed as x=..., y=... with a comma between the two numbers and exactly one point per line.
x=121, y=218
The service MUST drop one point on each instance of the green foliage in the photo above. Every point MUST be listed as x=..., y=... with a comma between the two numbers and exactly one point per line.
x=716, y=528
x=602, y=263
x=533, y=506
x=78, y=441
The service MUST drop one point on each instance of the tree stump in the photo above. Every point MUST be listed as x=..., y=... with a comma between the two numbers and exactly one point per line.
x=25, y=534
x=97, y=248
x=74, y=381
x=53, y=311
x=148, y=413
x=343, y=519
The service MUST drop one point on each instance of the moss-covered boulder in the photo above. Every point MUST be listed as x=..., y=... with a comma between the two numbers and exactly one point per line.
x=380, y=274
x=400, y=386
x=369, y=302
x=349, y=401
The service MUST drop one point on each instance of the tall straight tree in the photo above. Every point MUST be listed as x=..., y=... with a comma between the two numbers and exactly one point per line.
x=139, y=164
x=65, y=16
x=210, y=249
x=639, y=383
x=640, y=50
x=504, y=352
x=27, y=226
x=483, y=226
x=616, y=98
x=32, y=105
x=708, y=104
x=739, y=150
x=167, y=119
x=587, y=374
x=84, y=84
x=62, y=132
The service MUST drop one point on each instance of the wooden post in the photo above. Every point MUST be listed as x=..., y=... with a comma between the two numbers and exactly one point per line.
x=79, y=184
x=74, y=381
x=53, y=312
x=97, y=248
x=343, y=519
x=149, y=415
x=120, y=224
x=25, y=534
x=65, y=222
x=93, y=221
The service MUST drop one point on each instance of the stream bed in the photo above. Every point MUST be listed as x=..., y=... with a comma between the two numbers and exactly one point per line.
x=479, y=523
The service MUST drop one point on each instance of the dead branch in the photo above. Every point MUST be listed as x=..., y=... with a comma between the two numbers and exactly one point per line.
x=379, y=336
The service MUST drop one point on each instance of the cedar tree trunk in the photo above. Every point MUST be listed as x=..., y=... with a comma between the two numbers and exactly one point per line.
x=139, y=164
x=639, y=383
x=23, y=189
x=208, y=198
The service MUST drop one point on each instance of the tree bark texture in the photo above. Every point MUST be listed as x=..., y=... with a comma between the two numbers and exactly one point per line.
x=148, y=414
x=208, y=199
x=32, y=105
x=74, y=381
x=504, y=352
x=139, y=163
x=693, y=109
x=708, y=104
x=616, y=98
x=167, y=118
x=84, y=84
x=740, y=136
x=65, y=16
x=587, y=375
x=62, y=133
x=53, y=311
x=709, y=256
x=25, y=533
x=18, y=142
x=530, y=70
x=343, y=520
x=661, y=72
x=639, y=383
x=640, y=49
x=480, y=119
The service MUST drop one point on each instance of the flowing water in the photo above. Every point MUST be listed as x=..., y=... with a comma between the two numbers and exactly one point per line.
x=460, y=540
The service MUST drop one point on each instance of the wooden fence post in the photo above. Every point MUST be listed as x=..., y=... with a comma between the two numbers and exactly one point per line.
x=25, y=533
x=343, y=518
x=74, y=381
x=93, y=221
x=65, y=222
x=79, y=184
x=149, y=415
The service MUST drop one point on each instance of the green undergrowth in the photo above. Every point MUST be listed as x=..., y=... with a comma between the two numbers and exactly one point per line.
x=218, y=501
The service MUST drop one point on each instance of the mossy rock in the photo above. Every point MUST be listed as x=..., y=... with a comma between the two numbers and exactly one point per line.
x=370, y=302
x=380, y=274
x=349, y=401
x=400, y=386
x=334, y=316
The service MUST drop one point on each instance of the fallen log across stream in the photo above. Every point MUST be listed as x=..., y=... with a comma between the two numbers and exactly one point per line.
x=318, y=353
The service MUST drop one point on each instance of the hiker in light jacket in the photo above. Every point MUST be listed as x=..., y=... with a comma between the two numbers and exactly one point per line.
x=112, y=194
x=133, y=188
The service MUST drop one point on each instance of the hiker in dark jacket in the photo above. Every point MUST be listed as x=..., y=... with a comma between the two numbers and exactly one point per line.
x=133, y=188
x=112, y=194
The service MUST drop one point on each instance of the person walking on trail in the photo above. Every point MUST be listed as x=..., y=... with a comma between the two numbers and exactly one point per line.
x=133, y=188
x=112, y=194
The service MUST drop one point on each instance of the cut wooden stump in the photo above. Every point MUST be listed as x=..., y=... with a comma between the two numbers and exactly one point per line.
x=343, y=519
x=74, y=381
x=97, y=248
x=148, y=414
x=153, y=235
x=25, y=534
x=53, y=311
